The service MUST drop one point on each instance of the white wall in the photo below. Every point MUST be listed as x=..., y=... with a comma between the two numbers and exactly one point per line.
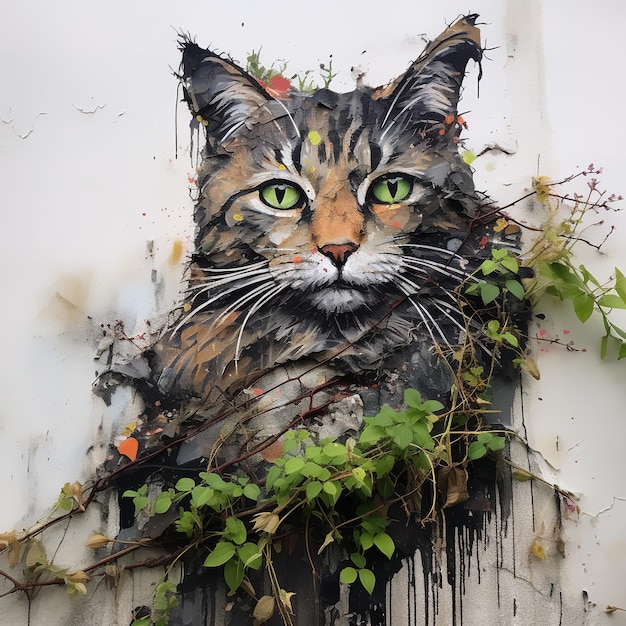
x=90, y=174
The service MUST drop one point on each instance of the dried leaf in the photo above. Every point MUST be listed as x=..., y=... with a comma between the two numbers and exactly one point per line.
x=9, y=540
x=522, y=475
x=263, y=610
x=273, y=451
x=612, y=608
x=78, y=577
x=285, y=599
x=35, y=555
x=97, y=541
x=452, y=485
x=266, y=522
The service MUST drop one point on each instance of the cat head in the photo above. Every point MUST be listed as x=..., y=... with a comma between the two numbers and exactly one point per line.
x=327, y=188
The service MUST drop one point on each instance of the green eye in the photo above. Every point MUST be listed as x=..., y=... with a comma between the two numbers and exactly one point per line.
x=281, y=195
x=392, y=190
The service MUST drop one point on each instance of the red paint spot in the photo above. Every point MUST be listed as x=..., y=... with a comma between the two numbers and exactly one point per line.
x=543, y=332
x=257, y=391
x=129, y=448
x=144, y=214
x=280, y=84
x=442, y=132
x=396, y=224
x=566, y=332
x=483, y=242
x=297, y=259
x=324, y=269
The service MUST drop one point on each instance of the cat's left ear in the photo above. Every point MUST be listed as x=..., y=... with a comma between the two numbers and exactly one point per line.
x=427, y=94
x=221, y=93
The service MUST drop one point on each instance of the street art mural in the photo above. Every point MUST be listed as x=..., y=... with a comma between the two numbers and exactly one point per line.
x=336, y=269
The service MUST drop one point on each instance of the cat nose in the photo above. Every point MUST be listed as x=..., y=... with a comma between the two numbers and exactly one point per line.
x=339, y=253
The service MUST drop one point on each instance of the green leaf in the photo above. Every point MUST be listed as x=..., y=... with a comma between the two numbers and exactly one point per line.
x=488, y=292
x=185, y=484
x=516, y=289
x=384, y=465
x=330, y=488
x=622, y=351
x=611, y=301
x=583, y=306
x=295, y=464
x=142, y=621
x=604, y=346
x=334, y=450
x=402, y=435
x=476, y=450
x=272, y=476
x=620, y=284
x=252, y=492
x=564, y=273
x=371, y=434
x=366, y=541
x=290, y=444
x=233, y=574
x=201, y=495
x=347, y=575
x=421, y=437
x=484, y=437
x=235, y=530
x=358, y=559
x=511, y=339
x=430, y=406
x=250, y=555
x=223, y=552
x=497, y=443
x=510, y=263
x=368, y=580
x=385, y=544
x=313, y=489
x=312, y=470
x=488, y=266
x=413, y=398
x=162, y=503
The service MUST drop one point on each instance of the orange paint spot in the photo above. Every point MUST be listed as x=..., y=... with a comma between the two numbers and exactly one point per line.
x=396, y=224
x=460, y=120
x=129, y=448
x=442, y=132
x=449, y=119
x=297, y=259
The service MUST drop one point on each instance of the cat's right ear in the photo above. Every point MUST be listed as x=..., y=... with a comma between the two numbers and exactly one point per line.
x=223, y=95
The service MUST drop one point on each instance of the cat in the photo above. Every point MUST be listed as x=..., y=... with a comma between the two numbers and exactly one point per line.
x=336, y=237
x=333, y=235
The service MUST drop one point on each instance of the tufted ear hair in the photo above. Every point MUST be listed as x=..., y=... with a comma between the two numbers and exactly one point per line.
x=224, y=95
x=428, y=92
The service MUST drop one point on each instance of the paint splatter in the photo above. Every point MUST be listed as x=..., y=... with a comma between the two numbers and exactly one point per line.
x=314, y=137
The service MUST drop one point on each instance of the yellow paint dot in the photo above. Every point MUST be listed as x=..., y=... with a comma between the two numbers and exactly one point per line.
x=177, y=253
x=237, y=217
x=314, y=137
x=281, y=166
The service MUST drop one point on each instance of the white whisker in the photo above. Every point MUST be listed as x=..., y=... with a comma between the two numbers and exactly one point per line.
x=246, y=298
x=253, y=309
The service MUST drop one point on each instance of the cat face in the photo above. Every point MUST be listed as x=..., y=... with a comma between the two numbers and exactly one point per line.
x=331, y=191
x=319, y=214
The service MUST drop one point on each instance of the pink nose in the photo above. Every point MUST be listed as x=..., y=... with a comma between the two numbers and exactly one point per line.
x=339, y=253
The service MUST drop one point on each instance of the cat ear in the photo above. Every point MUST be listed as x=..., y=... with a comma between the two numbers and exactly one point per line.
x=220, y=93
x=427, y=94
